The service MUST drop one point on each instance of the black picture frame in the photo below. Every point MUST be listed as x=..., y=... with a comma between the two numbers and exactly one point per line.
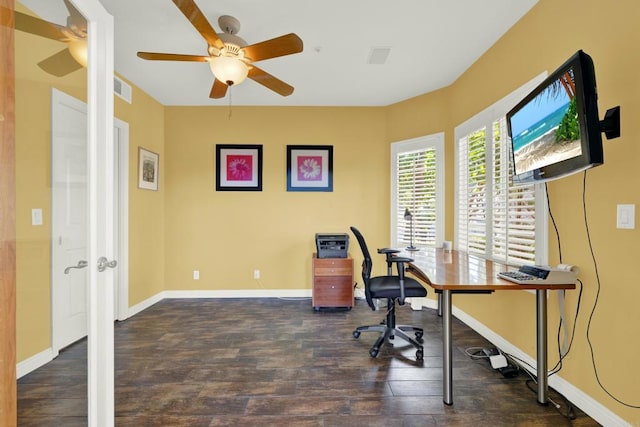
x=310, y=168
x=238, y=167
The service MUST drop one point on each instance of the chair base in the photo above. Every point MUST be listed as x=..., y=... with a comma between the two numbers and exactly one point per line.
x=388, y=330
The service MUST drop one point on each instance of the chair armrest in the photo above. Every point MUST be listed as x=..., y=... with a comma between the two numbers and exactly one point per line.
x=400, y=261
x=388, y=253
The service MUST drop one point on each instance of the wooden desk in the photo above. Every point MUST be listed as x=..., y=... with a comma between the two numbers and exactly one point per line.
x=456, y=272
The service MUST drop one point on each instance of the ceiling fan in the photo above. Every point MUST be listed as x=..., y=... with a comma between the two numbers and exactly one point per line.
x=230, y=58
x=71, y=58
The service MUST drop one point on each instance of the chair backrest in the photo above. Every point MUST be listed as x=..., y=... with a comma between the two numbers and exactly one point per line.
x=367, y=265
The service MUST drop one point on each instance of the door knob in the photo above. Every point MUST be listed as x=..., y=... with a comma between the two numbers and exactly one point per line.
x=81, y=264
x=103, y=263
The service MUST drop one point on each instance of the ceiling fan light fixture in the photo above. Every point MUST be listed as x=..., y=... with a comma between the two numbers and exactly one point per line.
x=229, y=70
x=78, y=49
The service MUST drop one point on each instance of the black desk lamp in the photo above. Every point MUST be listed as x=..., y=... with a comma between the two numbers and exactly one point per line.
x=409, y=217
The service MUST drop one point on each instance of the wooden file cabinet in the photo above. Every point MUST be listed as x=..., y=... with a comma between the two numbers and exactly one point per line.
x=332, y=282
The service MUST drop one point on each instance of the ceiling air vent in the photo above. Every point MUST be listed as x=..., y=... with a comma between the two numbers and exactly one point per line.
x=378, y=55
x=122, y=89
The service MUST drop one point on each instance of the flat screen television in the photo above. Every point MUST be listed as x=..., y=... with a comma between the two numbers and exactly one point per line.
x=555, y=130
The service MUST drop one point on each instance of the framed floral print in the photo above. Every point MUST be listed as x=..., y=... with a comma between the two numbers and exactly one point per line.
x=309, y=168
x=148, y=165
x=238, y=167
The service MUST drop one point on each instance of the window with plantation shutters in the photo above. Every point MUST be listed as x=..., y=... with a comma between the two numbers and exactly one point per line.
x=496, y=219
x=417, y=185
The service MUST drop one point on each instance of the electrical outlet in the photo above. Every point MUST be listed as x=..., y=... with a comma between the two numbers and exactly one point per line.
x=256, y=274
x=196, y=275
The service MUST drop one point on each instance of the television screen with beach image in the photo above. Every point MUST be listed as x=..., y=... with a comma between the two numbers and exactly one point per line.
x=546, y=130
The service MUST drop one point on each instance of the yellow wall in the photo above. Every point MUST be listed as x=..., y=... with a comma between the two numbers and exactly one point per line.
x=543, y=39
x=145, y=117
x=227, y=235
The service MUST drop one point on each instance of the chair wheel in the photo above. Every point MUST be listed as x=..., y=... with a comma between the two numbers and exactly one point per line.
x=373, y=352
x=419, y=339
x=419, y=335
x=419, y=354
x=356, y=334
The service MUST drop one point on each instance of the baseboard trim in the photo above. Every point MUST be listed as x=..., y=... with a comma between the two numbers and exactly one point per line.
x=34, y=362
x=249, y=293
x=579, y=398
x=141, y=306
x=241, y=293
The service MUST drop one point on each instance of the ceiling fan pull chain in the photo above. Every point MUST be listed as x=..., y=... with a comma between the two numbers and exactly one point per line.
x=230, y=93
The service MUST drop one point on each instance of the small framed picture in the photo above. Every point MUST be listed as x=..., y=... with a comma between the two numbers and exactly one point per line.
x=148, y=168
x=309, y=168
x=238, y=167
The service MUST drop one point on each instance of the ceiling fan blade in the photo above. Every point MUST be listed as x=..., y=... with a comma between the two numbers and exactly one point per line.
x=60, y=64
x=155, y=56
x=218, y=90
x=280, y=46
x=75, y=17
x=199, y=21
x=31, y=24
x=269, y=81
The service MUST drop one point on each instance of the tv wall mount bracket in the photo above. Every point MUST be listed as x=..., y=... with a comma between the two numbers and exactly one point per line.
x=610, y=125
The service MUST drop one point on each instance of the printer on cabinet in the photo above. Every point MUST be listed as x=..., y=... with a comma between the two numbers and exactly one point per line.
x=332, y=245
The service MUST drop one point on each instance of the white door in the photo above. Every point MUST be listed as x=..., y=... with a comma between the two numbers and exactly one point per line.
x=69, y=252
x=69, y=219
x=99, y=200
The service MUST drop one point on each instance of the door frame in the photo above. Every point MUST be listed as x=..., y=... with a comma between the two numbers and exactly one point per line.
x=100, y=307
x=8, y=403
x=121, y=147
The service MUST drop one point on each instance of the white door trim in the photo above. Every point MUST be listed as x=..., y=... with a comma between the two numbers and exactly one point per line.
x=122, y=217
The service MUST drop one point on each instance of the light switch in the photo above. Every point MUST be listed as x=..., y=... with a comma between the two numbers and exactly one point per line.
x=36, y=216
x=626, y=216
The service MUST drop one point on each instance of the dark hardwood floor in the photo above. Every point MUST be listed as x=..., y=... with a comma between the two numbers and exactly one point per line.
x=252, y=362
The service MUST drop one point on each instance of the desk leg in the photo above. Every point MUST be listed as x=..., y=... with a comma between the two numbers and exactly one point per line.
x=440, y=304
x=541, y=325
x=447, y=349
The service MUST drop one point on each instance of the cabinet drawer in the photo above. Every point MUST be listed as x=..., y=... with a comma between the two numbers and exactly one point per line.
x=334, y=282
x=332, y=262
x=333, y=267
x=332, y=291
x=339, y=271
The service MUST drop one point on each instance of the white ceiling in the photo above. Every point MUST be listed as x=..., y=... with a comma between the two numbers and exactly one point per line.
x=432, y=43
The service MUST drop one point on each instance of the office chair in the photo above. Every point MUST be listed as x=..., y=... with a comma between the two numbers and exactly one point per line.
x=392, y=288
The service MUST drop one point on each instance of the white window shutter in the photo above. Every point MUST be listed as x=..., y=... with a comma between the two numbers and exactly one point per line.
x=495, y=220
x=418, y=185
